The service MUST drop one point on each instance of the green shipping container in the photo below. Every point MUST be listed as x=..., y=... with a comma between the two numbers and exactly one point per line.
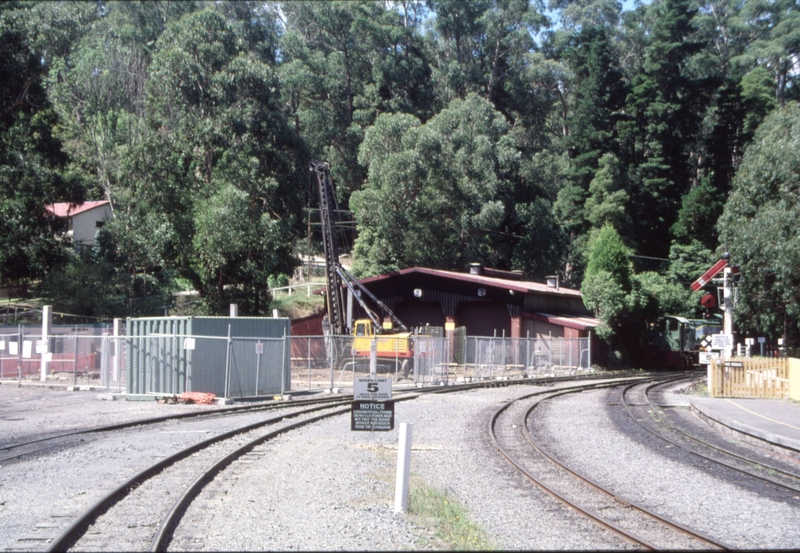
x=229, y=357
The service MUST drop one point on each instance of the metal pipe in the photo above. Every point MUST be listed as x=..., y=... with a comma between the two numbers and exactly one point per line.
x=227, y=363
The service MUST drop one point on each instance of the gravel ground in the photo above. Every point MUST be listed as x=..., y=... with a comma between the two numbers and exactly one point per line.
x=592, y=432
x=32, y=411
x=334, y=489
x=325, y=487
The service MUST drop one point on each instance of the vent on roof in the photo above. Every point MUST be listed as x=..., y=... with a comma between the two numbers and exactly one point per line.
x=475, y=268
x=552, y=281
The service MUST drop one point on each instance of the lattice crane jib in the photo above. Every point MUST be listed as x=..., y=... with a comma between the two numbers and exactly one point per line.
x=327, y=205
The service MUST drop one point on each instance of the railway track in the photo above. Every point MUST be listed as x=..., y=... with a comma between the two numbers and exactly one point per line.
x=189, y=469
x=510, y=432
x=119, y=511
x=27, y=448
x=638, y=402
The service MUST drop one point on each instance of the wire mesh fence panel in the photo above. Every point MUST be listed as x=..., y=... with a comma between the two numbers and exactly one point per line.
x=258, y=366
x=76, y=358
x=112, y=363
x=9, y=355
x=432, y=360
x=390, y=361
x=520, y=357
x=313, y=361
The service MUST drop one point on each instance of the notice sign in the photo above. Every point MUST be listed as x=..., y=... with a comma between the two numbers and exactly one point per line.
x=707, y=356
x=372, y=416
x=721, y=341
x=372, y=389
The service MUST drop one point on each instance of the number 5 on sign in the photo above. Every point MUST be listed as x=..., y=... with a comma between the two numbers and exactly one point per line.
x=372, y=389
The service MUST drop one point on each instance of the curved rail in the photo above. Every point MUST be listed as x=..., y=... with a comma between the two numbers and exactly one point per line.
x=706, y=444
x=156, y=420
x=616, y=529
x=73, y=532
x=269, y=406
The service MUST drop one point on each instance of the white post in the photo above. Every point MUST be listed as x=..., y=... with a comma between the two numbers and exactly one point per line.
x=234, y=310
x=403, y=469
x=373, y=358
x=589, y=347
x=47, y=319
x=727, y=308
x=117, y=348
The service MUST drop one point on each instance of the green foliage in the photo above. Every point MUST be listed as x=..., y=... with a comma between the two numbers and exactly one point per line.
x=759, y=225
x=698, y=214
x=657, y=296
x=607, y=199
x=608, y=300
x=608, y=284
x=500, y=131
x=688, y=262
x=439, y=194
x=91, y=285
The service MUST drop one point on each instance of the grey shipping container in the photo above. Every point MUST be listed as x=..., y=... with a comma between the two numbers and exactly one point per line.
x=229, y=357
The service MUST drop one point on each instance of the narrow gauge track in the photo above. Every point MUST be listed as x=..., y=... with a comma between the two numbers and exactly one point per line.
x=510, y=432
x=73, y=535
x=188, y=467
x=31, y=447
x=745, y=461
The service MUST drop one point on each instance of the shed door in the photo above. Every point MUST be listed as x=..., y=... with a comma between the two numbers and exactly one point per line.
x=484, y=318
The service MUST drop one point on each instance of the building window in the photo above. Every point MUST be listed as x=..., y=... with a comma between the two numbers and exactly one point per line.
x=99, y=224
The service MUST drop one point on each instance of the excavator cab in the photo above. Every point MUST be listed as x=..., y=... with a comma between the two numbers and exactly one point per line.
x=363, y=327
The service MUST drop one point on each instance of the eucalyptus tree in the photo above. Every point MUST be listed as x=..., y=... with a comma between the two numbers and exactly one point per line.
x=218, y=146
x=775, y=27
x=759, y=228
x=343, y=63
x=33, y=165
x=441, y=194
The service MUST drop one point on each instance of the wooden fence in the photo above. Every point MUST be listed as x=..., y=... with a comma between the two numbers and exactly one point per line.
x=760, y=377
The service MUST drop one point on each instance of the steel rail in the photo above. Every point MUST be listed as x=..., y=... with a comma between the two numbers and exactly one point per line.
x=644, y=510
x=709, y=445
x=271, y=406
x=156, y=420
x=164, y=533
x=73, y=531
x=561, y=497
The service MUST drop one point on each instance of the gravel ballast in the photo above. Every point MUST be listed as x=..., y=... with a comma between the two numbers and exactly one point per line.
x=324, y=487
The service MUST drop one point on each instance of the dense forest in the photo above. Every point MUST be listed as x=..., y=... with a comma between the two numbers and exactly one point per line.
x=622, y=150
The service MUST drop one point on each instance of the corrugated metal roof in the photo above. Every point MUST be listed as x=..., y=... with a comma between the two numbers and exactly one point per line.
x=516, y=285
x=66, y=209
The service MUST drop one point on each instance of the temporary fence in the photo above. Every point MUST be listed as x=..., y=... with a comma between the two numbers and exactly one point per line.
x=240, y=367
x=71, y=358
x=520, y=357
x=327, y=362
x=751, y=377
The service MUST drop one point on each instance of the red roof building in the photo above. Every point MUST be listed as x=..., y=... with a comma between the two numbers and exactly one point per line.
x=488, y=302
x=83, y=220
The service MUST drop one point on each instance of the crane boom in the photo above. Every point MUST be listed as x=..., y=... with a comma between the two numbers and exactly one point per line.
x=335, y=294
x=335, y=274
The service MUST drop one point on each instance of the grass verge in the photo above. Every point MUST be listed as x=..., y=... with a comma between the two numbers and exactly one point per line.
x=441, y=512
